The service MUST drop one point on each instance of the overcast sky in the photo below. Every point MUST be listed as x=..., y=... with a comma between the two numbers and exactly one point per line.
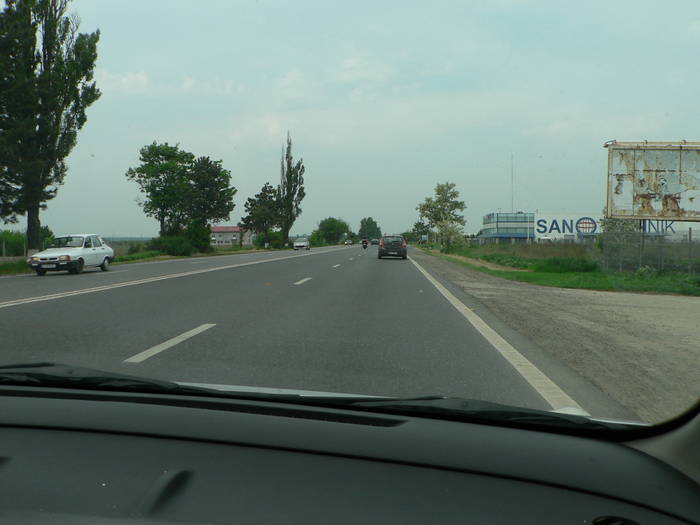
x=382, y=99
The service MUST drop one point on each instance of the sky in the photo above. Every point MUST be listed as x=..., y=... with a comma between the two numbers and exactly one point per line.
x=383, y=100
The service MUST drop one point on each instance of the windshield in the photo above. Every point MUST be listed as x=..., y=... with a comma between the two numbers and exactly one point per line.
x=67, y=242
x=497, y=201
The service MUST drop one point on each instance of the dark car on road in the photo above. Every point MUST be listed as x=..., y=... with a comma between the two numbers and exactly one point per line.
x=393, y=245
x=374, y=241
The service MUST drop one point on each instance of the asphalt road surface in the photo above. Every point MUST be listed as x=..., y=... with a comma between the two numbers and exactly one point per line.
x=331, y=319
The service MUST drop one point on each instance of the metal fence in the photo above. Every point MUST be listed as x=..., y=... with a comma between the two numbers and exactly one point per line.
x=632, y=251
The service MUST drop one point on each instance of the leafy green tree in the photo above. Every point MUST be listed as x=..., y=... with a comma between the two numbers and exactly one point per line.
x=290, y=191
x=420, y=229
x=46, y=86
x=163, y=178
x=46, y=235
x=443, y=207
x=332, y=230
x=369, y=229
x=210, y=194
x=209, y=199
x=442, y=212
x=262, y=213
x=316, y=239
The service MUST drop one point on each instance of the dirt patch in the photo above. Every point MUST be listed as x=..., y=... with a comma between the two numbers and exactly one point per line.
x=486, y=264
x=643, y=350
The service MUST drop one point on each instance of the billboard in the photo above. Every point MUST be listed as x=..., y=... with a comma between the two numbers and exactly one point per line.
x=654, y=180
x=566, y=226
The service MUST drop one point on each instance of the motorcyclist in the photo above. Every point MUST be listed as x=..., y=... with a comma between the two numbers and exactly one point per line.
x=364, y=243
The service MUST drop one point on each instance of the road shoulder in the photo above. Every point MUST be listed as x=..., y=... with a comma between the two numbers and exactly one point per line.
x=602, y=348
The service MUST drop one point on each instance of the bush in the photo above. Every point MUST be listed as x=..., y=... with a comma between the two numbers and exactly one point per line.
x=172, y=245
x=505, y=259
x=199, y=236
x=275, y=240
x=564, y=265
x=14, y=243
x=135, y=247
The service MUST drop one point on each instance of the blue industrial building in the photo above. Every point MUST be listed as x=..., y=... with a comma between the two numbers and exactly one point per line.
x=518, y=225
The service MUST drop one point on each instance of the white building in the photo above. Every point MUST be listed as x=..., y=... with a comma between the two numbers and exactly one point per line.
x=230, y=235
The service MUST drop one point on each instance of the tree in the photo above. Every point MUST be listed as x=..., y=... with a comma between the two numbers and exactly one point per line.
x=209, y=199
x=290, y=191
x=420, y=229
x=261, y=212
x=331, y=230
x=443, y=207
x=369, y=229
x=410, y=236
x=163, y=178
x=441, y=211
x=46, y=86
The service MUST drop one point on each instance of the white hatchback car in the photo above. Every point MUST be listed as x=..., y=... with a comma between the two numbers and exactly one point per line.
x=302, y=244
x=73, y=253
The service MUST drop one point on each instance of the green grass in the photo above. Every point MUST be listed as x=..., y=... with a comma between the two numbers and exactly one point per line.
x=660, y=282
x=504, y=259
x=565, y=265
x=12, y=268
x=137, y=256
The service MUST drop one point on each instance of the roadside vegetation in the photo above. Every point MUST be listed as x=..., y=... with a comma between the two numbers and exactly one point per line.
x=570, y=268
x=14, y=267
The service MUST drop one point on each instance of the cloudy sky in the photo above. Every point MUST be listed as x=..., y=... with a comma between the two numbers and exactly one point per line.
x=382, y=99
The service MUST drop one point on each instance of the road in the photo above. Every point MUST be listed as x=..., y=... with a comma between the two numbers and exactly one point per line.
x=332, y=319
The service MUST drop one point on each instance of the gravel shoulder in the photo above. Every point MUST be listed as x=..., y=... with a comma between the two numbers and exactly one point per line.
x=642, y=350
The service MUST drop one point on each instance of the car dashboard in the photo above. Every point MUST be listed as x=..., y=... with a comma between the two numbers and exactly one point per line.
x=74, y=456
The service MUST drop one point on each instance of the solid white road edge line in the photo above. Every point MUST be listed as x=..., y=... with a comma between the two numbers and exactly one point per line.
x=61, y=295
x=142, y=356
x=302, y=281
x=552, y=394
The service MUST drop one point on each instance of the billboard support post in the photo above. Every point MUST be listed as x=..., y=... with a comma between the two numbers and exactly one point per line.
x=690, y=251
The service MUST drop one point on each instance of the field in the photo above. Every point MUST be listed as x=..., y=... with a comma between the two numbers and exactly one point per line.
x=568, y=266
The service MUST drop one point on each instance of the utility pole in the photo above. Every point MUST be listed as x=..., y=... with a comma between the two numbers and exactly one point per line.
x=512, y=186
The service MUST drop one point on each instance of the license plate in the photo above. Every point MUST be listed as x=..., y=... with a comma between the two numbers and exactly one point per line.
x=48, y=266
x=392, y=253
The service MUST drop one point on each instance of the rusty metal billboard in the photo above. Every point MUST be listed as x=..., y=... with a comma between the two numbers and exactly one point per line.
x=654, y=180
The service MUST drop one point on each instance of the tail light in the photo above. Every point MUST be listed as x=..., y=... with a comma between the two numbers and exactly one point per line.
x=381, y=243
x=403, y=244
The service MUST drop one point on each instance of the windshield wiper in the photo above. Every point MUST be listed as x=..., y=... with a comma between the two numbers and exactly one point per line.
x=478, y=411
x=51, y=375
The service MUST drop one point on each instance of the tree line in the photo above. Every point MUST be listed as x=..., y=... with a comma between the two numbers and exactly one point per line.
x=187, y=194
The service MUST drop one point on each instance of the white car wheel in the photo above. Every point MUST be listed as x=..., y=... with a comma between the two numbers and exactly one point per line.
x=105, y=265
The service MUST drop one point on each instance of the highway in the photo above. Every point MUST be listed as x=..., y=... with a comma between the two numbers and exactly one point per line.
x=331, y=319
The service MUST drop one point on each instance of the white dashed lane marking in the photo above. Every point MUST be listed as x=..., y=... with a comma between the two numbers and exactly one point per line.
x=142, y=356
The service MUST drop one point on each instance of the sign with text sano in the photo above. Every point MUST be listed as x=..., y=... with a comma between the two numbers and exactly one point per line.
x=565, y=226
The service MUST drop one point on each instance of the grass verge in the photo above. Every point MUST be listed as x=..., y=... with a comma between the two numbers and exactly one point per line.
x=137, y=256
x=14, y=268
x=663, y=282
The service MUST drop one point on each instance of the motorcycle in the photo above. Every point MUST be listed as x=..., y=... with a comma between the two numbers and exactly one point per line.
x=364, y=245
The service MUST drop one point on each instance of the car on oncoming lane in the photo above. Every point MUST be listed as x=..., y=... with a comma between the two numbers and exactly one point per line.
x=302, y=243
x=73, y=253
x=392, y=245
